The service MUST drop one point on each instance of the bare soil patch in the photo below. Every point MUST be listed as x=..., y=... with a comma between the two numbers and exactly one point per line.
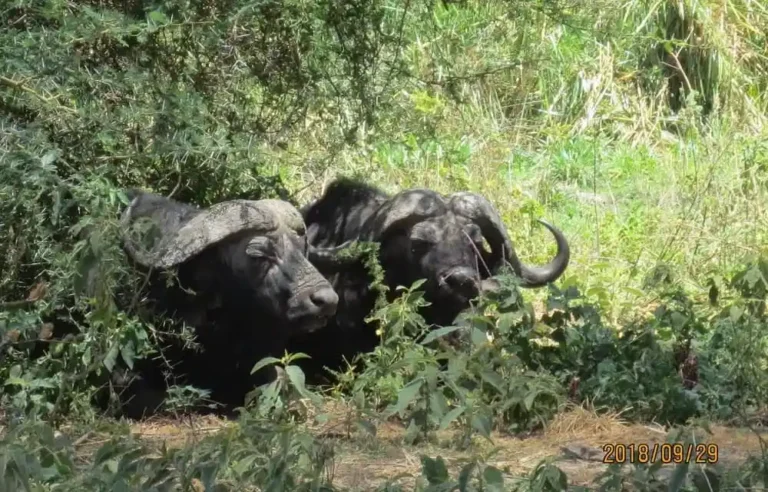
x=575, y=439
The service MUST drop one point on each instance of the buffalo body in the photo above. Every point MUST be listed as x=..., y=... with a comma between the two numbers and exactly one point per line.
x=243, y=282
x=421, y=235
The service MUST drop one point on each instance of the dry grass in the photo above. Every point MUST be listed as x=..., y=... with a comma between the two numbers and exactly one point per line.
x=179, y=432
x=362, y=461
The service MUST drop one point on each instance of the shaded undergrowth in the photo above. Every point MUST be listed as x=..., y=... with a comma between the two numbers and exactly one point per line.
x=638, y=128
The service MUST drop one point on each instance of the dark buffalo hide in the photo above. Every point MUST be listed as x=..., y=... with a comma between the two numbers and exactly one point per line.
x=243, y=283
x=422, y=235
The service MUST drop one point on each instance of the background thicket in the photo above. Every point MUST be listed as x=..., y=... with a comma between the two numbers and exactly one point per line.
x=637, y=127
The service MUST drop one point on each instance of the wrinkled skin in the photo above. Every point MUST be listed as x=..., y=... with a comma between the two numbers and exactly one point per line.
x=440, y=244
x=443, y=251
x=270, y=275
x=244, y=296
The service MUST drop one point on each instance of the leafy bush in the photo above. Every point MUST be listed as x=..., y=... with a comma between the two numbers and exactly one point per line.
x=512, y=372
x=178, y=97
x=201, y=100
x=251, y=454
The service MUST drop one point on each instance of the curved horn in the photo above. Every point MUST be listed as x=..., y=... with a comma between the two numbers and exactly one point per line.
x=164, y=217
x=406, y=207
x=182, y=231
x=478, y=209
x=284, y=213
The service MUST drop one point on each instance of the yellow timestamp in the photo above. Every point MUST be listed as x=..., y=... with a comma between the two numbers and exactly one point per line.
x=666, y=453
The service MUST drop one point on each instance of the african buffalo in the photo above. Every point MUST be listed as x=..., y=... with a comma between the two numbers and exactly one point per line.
x=422, y=235
x=244, y=284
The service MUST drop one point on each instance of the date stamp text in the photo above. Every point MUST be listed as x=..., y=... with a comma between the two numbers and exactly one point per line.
x=665, y=452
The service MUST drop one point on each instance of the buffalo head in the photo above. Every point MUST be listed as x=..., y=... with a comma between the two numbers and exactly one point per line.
x=254, y=251
x=424, y=235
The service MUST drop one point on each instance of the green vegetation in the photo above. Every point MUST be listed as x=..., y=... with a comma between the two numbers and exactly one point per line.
x=638, y=128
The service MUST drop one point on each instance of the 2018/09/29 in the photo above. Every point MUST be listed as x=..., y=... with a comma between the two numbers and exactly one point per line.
x=667, y=453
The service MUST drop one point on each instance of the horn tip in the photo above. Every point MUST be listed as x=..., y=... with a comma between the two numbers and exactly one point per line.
x=544, y=222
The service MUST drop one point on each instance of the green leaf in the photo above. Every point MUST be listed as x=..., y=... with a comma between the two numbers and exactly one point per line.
x=678, y=477
x=122, y=197
x=49, y=158
x=482, y=424
x=87, y=357
x=367, y=426
x=508, y=320
x=243, y=465
x=128, y=352
x=438, y=405
x=735, y=313
x=434, y=470
x=678, y=320
x=556, y=478
x=635, y=292
x=405, y=396
x=264, y=362
x=440, y=332
x=42, y=383
x=158, y=17
x=530, y=399
x=450, y=417
x=14, y=381
x=297, y=378
x=478, y=336
x=412, y=433
x=493, y=479
x=465, y=475
x=270, y=393
x=111, y=357
x=112, y=465
x=494, y=379
x=752, y=276
x=430, y=376
x=85, y=273
x=208, y=475
x=299, y=355
x=417, y=284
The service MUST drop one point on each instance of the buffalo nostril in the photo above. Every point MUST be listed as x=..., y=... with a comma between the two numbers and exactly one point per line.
x=462, y=283
x=326, y=299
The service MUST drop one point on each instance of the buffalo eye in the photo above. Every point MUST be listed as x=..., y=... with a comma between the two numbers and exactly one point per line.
x=419, y=246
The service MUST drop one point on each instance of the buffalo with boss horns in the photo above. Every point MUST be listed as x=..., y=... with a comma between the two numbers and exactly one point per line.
x=421, y=235
x=245, y=285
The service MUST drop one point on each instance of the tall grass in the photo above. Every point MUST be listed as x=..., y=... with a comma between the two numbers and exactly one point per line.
x=638, y=127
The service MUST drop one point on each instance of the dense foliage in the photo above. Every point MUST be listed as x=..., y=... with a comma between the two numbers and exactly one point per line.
x=640, y=126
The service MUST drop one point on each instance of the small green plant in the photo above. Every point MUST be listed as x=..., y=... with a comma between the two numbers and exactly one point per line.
x=474, y=476
x=432, y=384
x=252, y=453
x=284, y=398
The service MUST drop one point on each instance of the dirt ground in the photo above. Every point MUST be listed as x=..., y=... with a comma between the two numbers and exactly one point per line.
x=575, y=439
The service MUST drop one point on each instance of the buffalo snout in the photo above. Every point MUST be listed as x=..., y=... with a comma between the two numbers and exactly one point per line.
x=325, y=301
x=311, y=311
x=461, y=282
